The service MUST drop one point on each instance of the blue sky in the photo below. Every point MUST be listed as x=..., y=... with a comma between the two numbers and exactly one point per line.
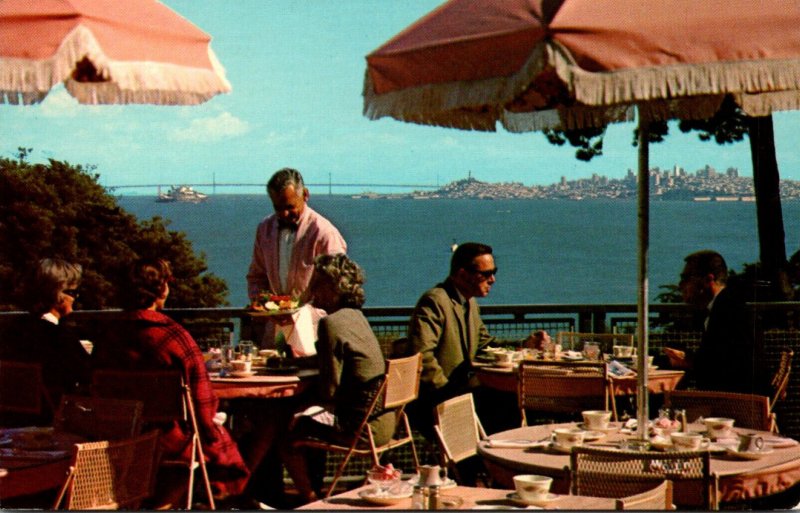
x=297, y=70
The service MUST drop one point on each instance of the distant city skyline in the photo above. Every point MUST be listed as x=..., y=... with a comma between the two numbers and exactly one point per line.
x=297, y=71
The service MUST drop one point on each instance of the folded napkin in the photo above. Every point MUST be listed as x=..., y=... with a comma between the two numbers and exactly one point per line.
x=516, y=444
x=779, y=442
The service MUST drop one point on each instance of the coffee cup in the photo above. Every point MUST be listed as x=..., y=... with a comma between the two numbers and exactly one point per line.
x=596, y=419
x=568, y=437
x=531, y=487
x=432, y=475
x=687, y=441
x=241, y=365
x=622, y=351
x=751, y=443
x=719, y=427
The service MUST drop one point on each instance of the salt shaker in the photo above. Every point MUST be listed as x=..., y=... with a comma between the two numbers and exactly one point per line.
x=433, y=499
x=420, y=497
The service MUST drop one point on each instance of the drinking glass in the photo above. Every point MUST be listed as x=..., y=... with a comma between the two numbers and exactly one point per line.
x=226, y=356
x=591, y=350
x=246, y=348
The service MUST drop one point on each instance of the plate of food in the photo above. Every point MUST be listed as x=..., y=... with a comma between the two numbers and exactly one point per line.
x=276, y=304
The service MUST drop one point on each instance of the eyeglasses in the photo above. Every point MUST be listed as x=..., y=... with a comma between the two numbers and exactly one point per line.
x=487, y=273
x=73, y=293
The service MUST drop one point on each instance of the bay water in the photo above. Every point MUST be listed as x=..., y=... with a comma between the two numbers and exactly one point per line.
x=547, y=251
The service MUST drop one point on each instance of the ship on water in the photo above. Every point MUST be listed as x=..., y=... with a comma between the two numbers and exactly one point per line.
x=182, y=193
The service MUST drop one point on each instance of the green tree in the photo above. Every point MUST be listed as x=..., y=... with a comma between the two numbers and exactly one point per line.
x=60, y=210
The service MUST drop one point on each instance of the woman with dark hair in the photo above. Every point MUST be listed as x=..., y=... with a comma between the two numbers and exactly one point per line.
x=147, y=339
x=351, y=369
x=50, y=295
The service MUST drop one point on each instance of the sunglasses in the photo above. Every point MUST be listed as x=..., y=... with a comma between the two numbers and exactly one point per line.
x=486, y=274
x=73, y=293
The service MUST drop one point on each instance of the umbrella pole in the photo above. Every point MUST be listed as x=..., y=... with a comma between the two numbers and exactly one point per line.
x=642, y=313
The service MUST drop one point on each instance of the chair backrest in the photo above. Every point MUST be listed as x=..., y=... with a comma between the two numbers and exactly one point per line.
x=658, y=498
x=22, y=388
x=111, y=475
x=402, y=381
x=98, y=418
x=612, y=473
x=574, y=341
x=555, y=386
x=161, y=391
x=780, y=380
x=458, y=428
x=748, y=410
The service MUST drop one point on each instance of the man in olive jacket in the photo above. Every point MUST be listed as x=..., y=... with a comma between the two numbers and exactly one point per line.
x=446, y=327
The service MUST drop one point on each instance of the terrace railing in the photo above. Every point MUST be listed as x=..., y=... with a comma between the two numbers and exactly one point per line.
x=670, y=325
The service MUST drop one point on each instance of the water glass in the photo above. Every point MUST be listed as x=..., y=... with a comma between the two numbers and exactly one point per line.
x=246, y=348
x=226, y=355
x=591, y=350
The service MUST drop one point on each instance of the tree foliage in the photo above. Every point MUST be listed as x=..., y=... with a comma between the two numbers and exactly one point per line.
x=727, y=126
x=60, y=210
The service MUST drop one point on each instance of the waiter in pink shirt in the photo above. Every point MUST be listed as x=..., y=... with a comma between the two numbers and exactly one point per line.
x=288, y=241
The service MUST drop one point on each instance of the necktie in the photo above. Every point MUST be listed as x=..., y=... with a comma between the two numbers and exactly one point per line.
x=287, y=225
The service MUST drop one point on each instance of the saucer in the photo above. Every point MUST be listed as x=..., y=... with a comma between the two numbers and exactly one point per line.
x=560, y=448
x=747, y=455
x=505, y=364
x=610, y=429
x=372, y=497
x=544, y=501
x=661, y=446
x=446, y=485
x=242, y=374
x=591, y=436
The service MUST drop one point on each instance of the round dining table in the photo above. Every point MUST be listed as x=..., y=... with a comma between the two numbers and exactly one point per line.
x=506, y=379
x=263, y=385
x=27, y=469
x=459, y=497
x=737, y=479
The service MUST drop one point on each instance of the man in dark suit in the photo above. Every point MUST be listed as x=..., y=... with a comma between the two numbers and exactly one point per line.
x=727, y=359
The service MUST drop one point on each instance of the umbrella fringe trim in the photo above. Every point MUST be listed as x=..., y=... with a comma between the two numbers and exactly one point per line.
x=458, y=104
x=30, y=81
x=671, y=82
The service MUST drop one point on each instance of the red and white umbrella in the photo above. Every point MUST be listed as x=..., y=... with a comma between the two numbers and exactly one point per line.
x=105, y=52
x=571, y=64
x=472, y=63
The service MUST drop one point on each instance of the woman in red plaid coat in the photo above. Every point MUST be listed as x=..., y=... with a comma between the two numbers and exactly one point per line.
x=148, y=339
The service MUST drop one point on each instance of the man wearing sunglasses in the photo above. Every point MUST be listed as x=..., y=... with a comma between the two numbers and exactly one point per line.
x=446, y=327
